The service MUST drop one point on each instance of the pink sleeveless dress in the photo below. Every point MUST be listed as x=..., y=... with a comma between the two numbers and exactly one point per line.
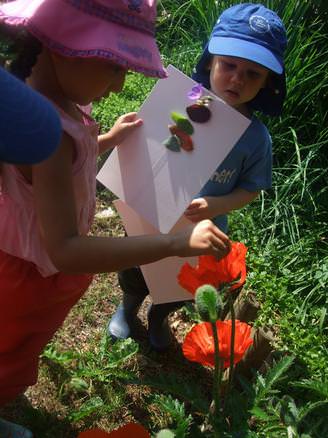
x=19, y=233
x=34, y=297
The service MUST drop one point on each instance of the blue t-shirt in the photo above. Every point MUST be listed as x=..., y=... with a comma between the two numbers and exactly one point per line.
x=248, y=165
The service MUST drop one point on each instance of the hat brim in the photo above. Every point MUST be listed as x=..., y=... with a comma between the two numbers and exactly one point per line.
x=29, y=125
x=128, y=47
x=245, y=49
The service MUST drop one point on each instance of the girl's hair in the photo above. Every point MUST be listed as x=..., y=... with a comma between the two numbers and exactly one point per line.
x=19, y=51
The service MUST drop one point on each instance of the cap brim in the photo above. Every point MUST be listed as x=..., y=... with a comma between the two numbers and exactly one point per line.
x=29, y=125
x=245, y=49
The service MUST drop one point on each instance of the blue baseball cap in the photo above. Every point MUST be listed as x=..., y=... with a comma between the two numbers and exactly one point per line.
x=256, y=33
x=30, y=128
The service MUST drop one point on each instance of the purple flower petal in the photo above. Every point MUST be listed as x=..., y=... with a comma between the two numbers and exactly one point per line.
x=195, y=92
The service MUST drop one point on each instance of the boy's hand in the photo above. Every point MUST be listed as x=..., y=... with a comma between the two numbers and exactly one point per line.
x=211, y=206
x=199, y=209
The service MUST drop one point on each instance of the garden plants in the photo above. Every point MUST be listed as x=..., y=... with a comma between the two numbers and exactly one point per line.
x=86, y=382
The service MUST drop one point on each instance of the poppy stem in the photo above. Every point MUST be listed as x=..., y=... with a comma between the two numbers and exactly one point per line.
x=217, y=374
x=232, y=345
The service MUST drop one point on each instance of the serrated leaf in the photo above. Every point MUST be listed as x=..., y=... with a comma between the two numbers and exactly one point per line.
x=170, y=384
x=318, y=387
x=78, y=384
x=176, y=412
x=92, y=405
x=265, y=384
x=259, y=413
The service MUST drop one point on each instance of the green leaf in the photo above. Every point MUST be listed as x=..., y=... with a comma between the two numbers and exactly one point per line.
x=182, y=122
x=172, y=143
x=259, y=413
x=175, y=410
x=265, y=384
x=318, y=387
x=288, y=411
x=190, y=391
x=121, y=351
x=78, y=384
x=92, y=405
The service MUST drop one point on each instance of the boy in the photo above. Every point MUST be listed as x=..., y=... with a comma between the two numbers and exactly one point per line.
x=242, y=64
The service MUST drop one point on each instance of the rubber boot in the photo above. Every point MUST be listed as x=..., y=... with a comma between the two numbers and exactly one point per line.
x=120, y=325
x=12, y=430
x=159, y=333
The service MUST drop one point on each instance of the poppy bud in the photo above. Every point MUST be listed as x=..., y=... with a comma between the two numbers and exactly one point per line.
x=208, y=303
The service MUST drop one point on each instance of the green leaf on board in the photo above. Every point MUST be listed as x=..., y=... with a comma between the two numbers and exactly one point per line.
x=182, y=122
x=172, y=143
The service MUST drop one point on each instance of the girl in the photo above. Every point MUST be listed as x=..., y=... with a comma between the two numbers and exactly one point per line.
x=243, y=64
x=80, y=51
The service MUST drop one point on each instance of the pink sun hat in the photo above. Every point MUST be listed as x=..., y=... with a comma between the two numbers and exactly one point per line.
x=122, y=31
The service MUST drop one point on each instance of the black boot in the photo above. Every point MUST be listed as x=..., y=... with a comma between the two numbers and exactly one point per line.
x=160, y=336
x=119, y=326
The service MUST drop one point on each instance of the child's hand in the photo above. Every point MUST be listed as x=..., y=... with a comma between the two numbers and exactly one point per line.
x=121, y=129
x=124, y=126
x=202, y=238
x=199, y=209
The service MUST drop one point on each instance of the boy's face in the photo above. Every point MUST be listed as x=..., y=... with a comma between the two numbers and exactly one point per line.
x=236, y=80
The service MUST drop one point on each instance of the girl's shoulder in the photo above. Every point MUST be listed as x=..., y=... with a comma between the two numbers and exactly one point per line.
x=81, y=127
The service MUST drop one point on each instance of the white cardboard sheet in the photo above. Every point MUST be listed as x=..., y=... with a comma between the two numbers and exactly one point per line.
x=156, y=182
x=160, y=276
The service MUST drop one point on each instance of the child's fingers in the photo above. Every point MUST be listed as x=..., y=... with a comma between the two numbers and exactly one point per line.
x=137, y=122
x=132, y=123
x=221, y=241
x=193, y=206
x=129, y=117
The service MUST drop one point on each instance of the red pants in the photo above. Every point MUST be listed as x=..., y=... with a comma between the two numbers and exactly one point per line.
x=32, y=308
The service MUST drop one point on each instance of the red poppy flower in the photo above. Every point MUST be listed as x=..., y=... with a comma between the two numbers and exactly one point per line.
x=216, y=272
x=198, y=345
x=126, y=431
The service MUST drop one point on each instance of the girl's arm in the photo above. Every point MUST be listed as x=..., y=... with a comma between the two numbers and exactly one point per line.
x=211, y=206
x=123, y=127
x=71, y=253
